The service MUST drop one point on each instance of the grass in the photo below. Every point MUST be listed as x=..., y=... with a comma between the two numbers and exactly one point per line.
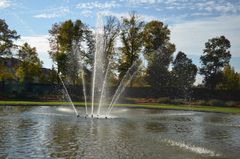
x=219, y=109
x=37, y=103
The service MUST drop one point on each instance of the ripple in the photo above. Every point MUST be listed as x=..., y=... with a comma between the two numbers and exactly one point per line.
x=192, y=148
x=179, y=114
x=47, y=132
x=51, y=114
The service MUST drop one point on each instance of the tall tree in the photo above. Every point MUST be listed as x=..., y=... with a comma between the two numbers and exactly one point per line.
x=131, y=37
x=183, y=73
x=66, y=41
x=7, y=37
x=31, y=64
x=111, y=32
x=215, y=56
x=158, y=51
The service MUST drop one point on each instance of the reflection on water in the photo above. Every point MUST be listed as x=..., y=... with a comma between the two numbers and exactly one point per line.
x=155, y=127
x=53, y=132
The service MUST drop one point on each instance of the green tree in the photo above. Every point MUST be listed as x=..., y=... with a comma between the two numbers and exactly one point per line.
x=131, y=37
x=66, y=46
x=158, y=51
x=5, y=73
x=89, y=53
x=183, y=73
x=7, y=37
x=30, y=66
x=215, y=56
x=230, y=80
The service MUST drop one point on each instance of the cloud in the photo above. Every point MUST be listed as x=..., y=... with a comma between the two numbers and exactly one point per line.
x=4, y=4
x=86, y=13
x=42, y=45
x=190, y=36
x=221, y=7
x=53, y=13
x=143, y=17
x=142, y=2
x=40, y=42
x=46, y=16
x=98, y=5
x=218, y=6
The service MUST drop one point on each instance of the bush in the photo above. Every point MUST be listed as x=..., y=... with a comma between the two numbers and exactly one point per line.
x=201, y=102
x=178, y=101
x=127, y=100
x=165, y=100
x=231, y=103
x=215, y=102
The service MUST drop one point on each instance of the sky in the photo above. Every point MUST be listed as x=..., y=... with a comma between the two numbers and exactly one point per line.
x=192, y=22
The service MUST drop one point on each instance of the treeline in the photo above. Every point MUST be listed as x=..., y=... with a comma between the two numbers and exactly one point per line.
x=125, y=41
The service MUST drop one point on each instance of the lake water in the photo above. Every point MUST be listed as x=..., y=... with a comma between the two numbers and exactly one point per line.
x=55, y=132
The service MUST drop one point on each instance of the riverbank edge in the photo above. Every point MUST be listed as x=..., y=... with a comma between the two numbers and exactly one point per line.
x=219, y=109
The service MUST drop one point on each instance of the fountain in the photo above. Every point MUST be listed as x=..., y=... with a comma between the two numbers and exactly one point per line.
x=68, y=96
x=100, y=76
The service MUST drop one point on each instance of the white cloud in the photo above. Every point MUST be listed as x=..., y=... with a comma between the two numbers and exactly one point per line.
x=143, y=17
x=40, y=42
x=218, y=6
x=212, y=6
x=86, y=13
x=53, y=13
x=42, y=45
x=45, y=16
x=4, y=4
x=142, y=2
x=98, y=5
x=190, y=36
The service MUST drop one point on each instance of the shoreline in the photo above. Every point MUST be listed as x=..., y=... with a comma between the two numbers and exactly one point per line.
x=217, y=109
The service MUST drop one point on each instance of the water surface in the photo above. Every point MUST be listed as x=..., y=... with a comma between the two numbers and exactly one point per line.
x=55, y=132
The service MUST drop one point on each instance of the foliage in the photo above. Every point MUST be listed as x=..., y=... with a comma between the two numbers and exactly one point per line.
x=158, y=76
x=230, y=80
x=158, y=52
x=66, y=41
x=88, y=56
x=6, y=70
x=183, y=73
x=30, y=65
x=131, y=37
x=7, y=37
x=164, y=100
x=216, y=102
x=215, y=56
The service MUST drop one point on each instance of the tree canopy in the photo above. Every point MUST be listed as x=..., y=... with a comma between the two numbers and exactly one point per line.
x=7, y=37
x=66, y=41
x=30, y=65
x=158, y=51
x=73, y=45
x=215, y=56
x=183, y=73
x=230, y=79
x=131, y=37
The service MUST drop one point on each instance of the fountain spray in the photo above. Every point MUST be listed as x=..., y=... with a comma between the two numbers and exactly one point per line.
x=68, y=96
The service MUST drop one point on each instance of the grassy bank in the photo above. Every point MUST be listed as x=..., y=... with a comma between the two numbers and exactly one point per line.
x=37, y=103
x=153, y=106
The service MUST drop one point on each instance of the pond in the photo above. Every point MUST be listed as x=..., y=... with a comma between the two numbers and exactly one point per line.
x=55, y=132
